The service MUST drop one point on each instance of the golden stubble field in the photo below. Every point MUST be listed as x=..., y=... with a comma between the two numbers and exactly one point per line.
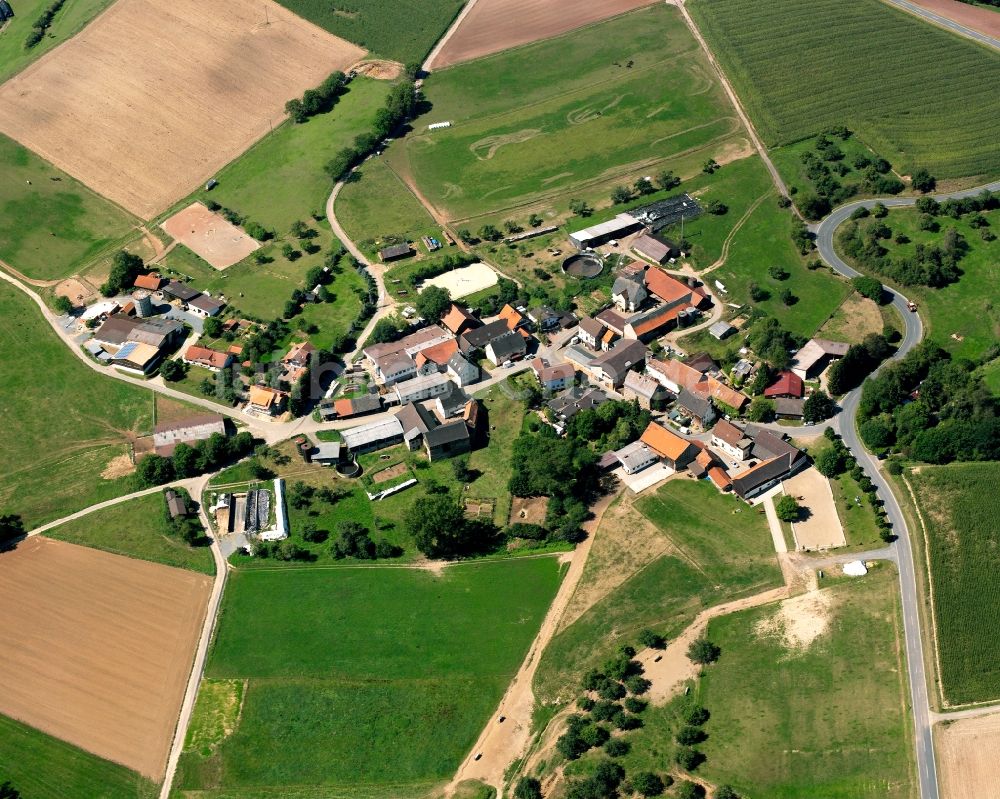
x=97, y=648
x=152, y=97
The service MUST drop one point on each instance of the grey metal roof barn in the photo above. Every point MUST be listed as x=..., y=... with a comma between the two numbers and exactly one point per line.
x=6, y=12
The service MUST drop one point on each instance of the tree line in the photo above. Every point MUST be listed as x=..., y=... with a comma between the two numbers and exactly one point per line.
x=188, y=460
x=318, y=100
x=43, y=23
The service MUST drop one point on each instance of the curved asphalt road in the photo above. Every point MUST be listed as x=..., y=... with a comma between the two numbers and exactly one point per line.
x=924, y=741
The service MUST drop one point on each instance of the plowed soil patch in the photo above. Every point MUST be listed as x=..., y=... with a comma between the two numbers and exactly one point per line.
x=495, y=25
x=97, y=648
x=151, y=98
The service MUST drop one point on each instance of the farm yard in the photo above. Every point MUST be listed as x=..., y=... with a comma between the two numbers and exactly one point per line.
x=89, y=110
x=41, y=765
x=821, y=707
x=14, y=56
x=495, y=25
x=210, y=236
x=958, y=507
x=403, y=30
x=100, y=656
x=374, y=679
x=50, y=224
x=876, y=91
x=567, y=117
x=136, y=529
x=71, y=422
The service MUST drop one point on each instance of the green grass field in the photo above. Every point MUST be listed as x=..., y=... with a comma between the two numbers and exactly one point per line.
x=50, y=224
x=41, y=766
x=67, y=422
x=567, y=113
x=724, y=550
x=375, y=678
x=959, y=507
x=916, y=94
x=136, y=529
x=68, y=21
x=829, y=720
x=788, y=159
x=966, y=309
x=403, y=30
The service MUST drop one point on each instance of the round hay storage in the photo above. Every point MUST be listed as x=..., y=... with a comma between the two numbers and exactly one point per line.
x=583, y=265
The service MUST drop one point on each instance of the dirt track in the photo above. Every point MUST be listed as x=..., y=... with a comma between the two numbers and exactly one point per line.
x=495, y=25
x=151, y=98
x=97, y=647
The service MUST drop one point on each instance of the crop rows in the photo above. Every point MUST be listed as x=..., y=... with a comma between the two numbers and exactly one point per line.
x=918, y=95
x=960, y=507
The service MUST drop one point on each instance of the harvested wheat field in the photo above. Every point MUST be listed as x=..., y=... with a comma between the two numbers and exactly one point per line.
x=152, y=97
x=495, y=25
x=98, y=648
x=969, y=757
x=214, y=238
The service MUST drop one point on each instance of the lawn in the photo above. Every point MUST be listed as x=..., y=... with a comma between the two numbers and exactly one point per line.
x=963, y=317
x=403, y=30
x=136, y=529
x=68, y=21
x=66, y=421
x=376, y=203
x=41, y=766
x=959, y=507
x=600, y=105
x=50, y=224
x=715, y=550
x=829, y=719
x=375, y=678
x=916, y=94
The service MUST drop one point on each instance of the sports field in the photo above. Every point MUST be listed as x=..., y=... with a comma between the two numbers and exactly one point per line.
x=136, y=529
x=141, y=126
x=50, y=224
x=804, y=706
x=598, y=106
x=403, y=30
x=14, y=56
x=101, y=653
x=372, y=678
x=70, y=421
x=959, y=506
x=919, y=96
x=40, y=765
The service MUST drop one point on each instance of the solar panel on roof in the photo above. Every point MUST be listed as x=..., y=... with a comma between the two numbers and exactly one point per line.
x=127, y=349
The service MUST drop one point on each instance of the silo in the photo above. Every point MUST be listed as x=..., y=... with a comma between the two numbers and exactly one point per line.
x=143, y=304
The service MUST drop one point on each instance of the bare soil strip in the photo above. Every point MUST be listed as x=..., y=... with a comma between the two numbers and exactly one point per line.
x=151, y=99
x=97, y=647
x=209, y=235
x=495, y=25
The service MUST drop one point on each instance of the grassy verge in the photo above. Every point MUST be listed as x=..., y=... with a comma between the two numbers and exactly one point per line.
x=136, y=529
x=66, y=421
x=375, y=678
x=42, y=766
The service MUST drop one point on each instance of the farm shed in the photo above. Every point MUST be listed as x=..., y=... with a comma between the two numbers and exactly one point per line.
x=595, y=235
x=395, y=252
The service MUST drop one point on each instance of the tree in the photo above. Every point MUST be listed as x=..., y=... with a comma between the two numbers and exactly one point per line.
x=172, y=371
x=787, y=508
x=689, y=790
x=8, y=791
x=667, y=180
x=868, y=287
x=647, y=783
x=432, y=303
x=710, y=166
x=757, y=293
x=761, y=409
x=212, y=327
x=439, y=528
x=651, y=639
x=818, y=407
x=877, y=433
x=125, y=268
x=644, y=186
x=528, y=788
x=185, y=459
x=617, y=747
x=11, y=527
x=580, y=208
x=725, y=792
x=830, y=462
x=787, y=298
x=490, y=233
x=63, y=305
x=460, y=467
x=716, y=208
x=621, y=194
x=155, y=470
x=703, y=651
x=696, y=715
x=923, y=181
x=689, y=759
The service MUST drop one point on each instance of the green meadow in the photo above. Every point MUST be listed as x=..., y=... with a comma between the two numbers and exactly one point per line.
x=377, y=679
x=918, y=95
x=50, y=224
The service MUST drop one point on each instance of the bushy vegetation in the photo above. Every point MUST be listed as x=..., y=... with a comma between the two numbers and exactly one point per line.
x=125, y=268
x=316, y=101
x=43, y=23
x=859, y=361
x=961, y=506
x=188, y=460
x=953, y=416
x=895, y=64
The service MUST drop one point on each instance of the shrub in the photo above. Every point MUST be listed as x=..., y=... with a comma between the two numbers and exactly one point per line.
x=703, y=651
x=647, y=783
x=787, y=508
x=617, y=747
x=689, y=759
x=652, y=640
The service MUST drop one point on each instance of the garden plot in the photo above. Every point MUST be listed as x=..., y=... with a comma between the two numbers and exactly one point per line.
x=118, y=109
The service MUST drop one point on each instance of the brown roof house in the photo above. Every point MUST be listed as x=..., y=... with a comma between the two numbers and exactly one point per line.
x=612, y=367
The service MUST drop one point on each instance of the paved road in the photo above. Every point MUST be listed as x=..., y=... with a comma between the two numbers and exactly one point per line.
x=944, y=22
x=922, y=717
